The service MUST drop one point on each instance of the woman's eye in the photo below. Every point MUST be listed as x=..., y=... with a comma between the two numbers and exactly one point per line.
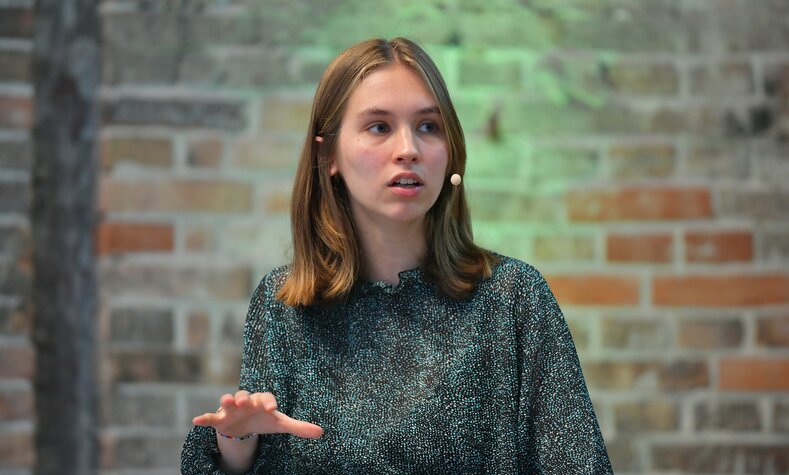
x=378, y=128
x=429, y=127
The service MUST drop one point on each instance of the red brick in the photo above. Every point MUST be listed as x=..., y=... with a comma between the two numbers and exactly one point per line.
x=117, y=238
x=16, y=449
x=16, y=404
x=199, y=237
x=178, y=195
x=708, y=334
x=721, y=291
x=773, y=331
x=654, y=248
x=197, y=329
x=718, y=246
x=16, y=112
x=623, y=204
x=16, y=22
x=595, y=289
x=143, y=151
x=754, y=374
x=16, y=361
x=204, y=152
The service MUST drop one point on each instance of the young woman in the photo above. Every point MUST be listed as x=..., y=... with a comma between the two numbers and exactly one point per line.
x=393, y=343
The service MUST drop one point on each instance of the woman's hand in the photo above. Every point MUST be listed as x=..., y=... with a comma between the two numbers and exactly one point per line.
x=242, y=413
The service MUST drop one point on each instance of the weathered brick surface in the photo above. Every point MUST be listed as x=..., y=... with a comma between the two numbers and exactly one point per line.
x=654, y=248
x=141, y=151
x=16, y=449
x=710, y=333
x=721, y=290
x=575, y=248
x=204, y=152
x=773, y=331
x=176, y=280
x=14, y=278
x=182, y=113
x=636, y=333
x=641, y=160
x=639, y=204
x=16, y=360
x=659, y=79
x=646, y=375
x=16, y=112
x=718, y=246
x=16, y=22
x=148, y=366
x=117, y=238
x=16, y=155
x=16, y=404
x=781, y=416
x=142, y=410
x=141, y=326
x=186, y=196
x=754, y=204
x=721, y=458
x=775, y=246
x=719, y=159
x=718, y=79
x=646, y=416
x=14, y=66
x=727, y=416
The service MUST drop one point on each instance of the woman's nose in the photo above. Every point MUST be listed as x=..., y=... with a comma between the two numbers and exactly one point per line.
x=406, y=148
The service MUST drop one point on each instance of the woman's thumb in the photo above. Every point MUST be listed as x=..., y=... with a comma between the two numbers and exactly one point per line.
x=298, y=428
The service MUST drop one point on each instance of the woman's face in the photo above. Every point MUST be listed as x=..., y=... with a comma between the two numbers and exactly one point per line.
x=391, y=149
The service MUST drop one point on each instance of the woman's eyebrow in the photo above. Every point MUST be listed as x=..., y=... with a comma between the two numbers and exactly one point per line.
x=377, y=111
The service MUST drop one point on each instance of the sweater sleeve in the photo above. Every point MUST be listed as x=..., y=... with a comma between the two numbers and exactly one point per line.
x=200, y=453
x=557, y=426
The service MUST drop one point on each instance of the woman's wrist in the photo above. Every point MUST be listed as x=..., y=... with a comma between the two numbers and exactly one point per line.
x=243, y=437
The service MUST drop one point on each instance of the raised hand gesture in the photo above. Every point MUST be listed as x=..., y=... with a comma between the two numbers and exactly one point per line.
x=242, y=413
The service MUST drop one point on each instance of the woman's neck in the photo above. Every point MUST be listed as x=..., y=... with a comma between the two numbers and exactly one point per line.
x=392, y=249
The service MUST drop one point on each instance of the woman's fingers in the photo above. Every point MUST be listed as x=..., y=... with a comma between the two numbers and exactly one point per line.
x=207, y=419
x=268, y=402
x=235, y=408
x=298, y=428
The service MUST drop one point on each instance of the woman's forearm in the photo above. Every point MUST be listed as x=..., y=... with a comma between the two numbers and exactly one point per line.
x=237, y=456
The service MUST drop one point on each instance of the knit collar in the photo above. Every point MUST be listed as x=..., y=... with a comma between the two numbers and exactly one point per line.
x=407, y=278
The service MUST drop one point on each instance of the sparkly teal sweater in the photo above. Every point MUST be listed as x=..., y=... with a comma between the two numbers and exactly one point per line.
x=406, y=381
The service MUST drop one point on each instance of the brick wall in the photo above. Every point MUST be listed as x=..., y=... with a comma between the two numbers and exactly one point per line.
x=16, y=350
x=635, y=152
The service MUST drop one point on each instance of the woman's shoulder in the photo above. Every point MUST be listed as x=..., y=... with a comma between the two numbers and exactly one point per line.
x=271, y=282
x=512, y=271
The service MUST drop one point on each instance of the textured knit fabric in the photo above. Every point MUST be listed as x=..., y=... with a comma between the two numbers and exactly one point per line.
x=405, y=381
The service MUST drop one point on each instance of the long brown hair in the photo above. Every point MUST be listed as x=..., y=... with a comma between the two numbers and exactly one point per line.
x=327, y=258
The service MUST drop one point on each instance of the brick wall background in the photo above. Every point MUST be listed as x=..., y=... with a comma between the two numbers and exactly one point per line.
x=637, y=152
